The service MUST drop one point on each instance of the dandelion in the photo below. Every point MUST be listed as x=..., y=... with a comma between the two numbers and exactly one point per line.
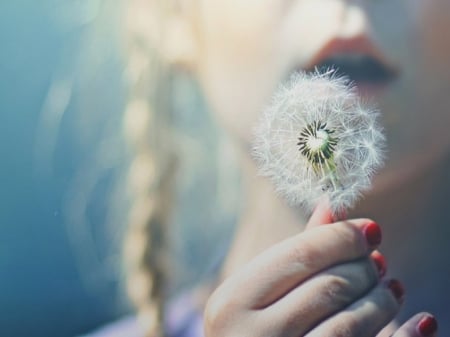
x=318, y=138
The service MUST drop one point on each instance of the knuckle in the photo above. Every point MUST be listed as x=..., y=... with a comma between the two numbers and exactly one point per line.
x=223, y=316
x=365, y=319
x=305, y=255
x=351, y=327
x=218, y=311
x=344, y=283
x=361, y=275
x=347, y=326
x=337, y=288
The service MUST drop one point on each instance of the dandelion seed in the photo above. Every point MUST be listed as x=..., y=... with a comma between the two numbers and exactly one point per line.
x=317, y=137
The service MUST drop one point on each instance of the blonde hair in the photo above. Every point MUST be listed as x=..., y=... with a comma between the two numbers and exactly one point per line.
x=151, y=170
x=149, y=122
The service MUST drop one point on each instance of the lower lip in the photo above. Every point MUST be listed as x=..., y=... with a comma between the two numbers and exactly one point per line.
x=367, y=89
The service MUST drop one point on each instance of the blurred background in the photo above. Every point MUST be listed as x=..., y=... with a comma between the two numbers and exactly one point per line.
x=63, y=196
x=60, y=97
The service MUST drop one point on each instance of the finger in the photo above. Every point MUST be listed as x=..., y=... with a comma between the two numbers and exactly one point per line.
x=420, y=325
x=380, y=262
x=322, y=214
x=282, y=267
x=320, y=297
x=367, y=316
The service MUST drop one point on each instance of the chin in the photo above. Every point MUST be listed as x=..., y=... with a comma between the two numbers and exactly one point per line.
x=403, y=175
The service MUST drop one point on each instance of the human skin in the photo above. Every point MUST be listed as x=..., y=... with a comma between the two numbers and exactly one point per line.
x=243, y=49
x=322, y=282
x=247, y=47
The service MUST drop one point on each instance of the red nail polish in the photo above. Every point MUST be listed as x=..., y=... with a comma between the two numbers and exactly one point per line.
x=380, y=262
x=397, y=289
x=372, y=232
x=427, y=326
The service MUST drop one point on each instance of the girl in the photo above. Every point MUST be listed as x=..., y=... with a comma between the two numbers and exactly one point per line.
x=284, y=274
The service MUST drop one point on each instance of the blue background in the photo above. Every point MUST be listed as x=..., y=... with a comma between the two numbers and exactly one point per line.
x=48, y=60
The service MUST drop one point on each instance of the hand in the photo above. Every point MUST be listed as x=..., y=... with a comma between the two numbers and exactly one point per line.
x=323, y=282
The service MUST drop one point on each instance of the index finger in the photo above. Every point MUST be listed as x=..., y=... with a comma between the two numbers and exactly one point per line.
x=322, y=214
x=287, y=264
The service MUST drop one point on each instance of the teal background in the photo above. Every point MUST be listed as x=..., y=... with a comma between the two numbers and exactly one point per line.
x=48, y=74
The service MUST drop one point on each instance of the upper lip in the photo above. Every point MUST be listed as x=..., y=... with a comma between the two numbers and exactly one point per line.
x=360, y=45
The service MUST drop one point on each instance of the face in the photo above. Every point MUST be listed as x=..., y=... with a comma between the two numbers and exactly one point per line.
x=396, y=51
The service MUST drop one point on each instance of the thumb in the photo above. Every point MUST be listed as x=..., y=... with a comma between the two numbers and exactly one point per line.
x=322, y=214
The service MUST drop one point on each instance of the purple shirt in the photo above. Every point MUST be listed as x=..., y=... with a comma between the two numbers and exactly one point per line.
x=182, y=320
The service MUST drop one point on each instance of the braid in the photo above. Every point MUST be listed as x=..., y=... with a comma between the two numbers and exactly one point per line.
x=150, y=176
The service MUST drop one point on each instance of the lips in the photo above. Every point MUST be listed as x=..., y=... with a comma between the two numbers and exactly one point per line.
x=358, y=59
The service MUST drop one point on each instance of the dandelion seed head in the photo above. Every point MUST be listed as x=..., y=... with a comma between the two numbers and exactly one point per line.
x=317, y=137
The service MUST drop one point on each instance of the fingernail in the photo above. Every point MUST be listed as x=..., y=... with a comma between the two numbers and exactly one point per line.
x=372, y=232
x=380, y=262
x=397, y=289
x=427, y=326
